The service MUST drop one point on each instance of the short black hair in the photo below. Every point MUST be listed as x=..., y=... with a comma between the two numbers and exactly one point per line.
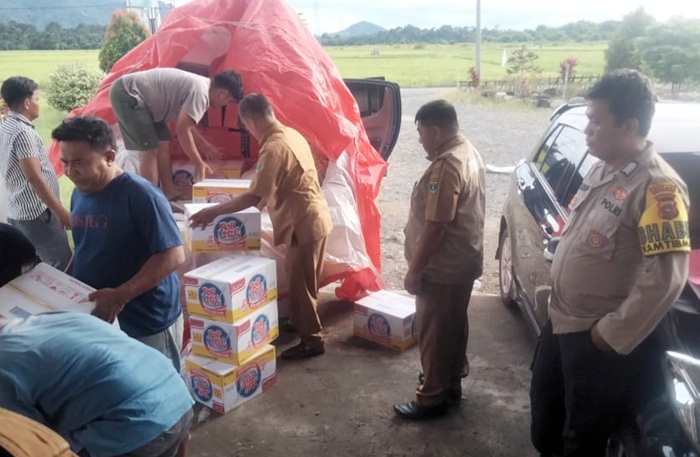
x=17, y=89
x=16, y=251
x=439, y=113
x=93, y=130
x=629, y=95
x=231, y=81
x=255, y=105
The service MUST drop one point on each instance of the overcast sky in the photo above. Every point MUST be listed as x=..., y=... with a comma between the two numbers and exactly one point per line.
x=335, y=15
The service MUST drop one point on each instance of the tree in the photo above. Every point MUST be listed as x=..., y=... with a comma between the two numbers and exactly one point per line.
x=72, y=86
x=124, y=32
x=671, y=52
x=623, y=47
x=522, y=62
x=522, y=68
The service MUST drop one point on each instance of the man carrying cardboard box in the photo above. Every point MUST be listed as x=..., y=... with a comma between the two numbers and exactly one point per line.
x=143, y=103
x=105, y=393
x=127, y=244
x=286, y=179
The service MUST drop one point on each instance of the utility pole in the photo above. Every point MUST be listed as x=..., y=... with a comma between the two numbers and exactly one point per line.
x=478, y=37
x=315, y=18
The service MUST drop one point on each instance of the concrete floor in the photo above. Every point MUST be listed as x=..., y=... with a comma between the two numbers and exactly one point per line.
x=340, y=404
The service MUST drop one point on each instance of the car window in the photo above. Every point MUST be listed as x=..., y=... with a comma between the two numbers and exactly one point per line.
x=563, y=164
x=370, y=98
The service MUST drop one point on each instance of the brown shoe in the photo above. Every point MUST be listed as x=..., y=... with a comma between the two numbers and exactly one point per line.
x=302, y=351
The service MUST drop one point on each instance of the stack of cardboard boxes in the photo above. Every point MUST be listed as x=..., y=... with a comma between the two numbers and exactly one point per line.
x=232, y=301
x=232, y=307
x=228, y=232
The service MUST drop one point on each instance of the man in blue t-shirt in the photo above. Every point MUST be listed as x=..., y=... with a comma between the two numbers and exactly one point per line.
x=127, y=244
x=106, y=394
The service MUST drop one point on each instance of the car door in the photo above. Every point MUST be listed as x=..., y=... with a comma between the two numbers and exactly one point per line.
x=546, y=185
x=379, y=103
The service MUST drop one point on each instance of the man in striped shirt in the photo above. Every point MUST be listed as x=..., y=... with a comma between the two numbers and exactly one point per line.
x=34, y=206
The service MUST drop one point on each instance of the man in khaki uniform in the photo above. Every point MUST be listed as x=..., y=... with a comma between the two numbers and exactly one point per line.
x=287, y=181
x=444, y=250
x=621, y=263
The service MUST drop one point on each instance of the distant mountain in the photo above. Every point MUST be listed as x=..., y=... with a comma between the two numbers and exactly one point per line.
x=68, y=13
x=360, y=29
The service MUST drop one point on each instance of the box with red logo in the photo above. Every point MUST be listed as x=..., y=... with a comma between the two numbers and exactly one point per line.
x=231, y=288
x=237, y=342
x=218, y=190
x=223, y=387
x=229, y=232
x=44, y=289
x=386, y=318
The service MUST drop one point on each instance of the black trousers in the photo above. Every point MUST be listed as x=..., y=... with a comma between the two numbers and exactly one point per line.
x=580, y=395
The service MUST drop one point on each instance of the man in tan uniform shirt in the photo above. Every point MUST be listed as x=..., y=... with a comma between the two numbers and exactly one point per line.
x=444, y=250
x=287, y=181
x=621, y=263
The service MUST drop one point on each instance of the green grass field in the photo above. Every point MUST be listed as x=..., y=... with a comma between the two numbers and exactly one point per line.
x=408, y=65
x=442, y=65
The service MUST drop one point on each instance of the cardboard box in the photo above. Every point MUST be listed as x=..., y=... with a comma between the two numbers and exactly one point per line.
x=227, y=169
x=183, y=174
x=238, y=342
x=218, y=190
x=386, y=318
x=44, y=289
x=183, y=171
x=231, y=288
x=223, y=387
x=230, y=232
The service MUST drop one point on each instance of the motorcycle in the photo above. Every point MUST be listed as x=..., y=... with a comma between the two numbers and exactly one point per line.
x=667, y=421
x=669, y=424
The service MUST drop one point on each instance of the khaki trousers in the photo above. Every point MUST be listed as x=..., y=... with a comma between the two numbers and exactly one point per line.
x=304, y=264
x=442, y=329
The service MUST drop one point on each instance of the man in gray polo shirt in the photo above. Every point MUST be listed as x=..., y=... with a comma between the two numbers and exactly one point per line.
x=145, y=101
x=33, y=203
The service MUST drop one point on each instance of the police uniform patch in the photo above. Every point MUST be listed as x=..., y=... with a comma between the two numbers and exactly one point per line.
x=664, y=194
x=629, y=168
x=620, y=194
x=664, y=223
x=596, y=239
x=432, y=187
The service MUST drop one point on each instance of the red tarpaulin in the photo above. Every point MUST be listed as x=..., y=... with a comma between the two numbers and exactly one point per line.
x=267, y=43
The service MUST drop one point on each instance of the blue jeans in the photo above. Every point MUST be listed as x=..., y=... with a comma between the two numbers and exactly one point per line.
x=48, y=237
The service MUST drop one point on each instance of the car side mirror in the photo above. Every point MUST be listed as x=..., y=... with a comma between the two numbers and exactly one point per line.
x=551, y=248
